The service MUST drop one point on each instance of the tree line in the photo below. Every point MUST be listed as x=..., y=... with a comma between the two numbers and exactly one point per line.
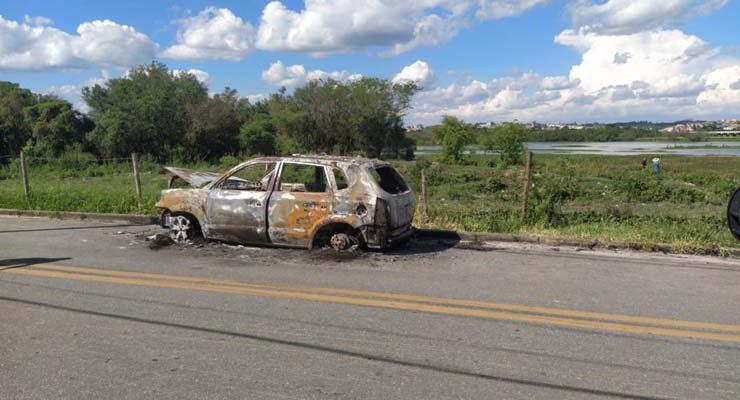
x=171, y=116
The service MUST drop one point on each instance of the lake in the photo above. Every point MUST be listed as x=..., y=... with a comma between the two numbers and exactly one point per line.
x=618, y=148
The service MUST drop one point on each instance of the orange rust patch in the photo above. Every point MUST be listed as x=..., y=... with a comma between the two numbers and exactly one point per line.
x=305, y=214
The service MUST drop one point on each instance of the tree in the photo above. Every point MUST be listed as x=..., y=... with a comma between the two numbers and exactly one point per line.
x=14, y=128
x=145, y=111
x=55, y=127
x=379, y=108
x=453, y=135
x=508, y=140
x=258, y=136
x=326, y=106
x=212, y=130
x=364, y=115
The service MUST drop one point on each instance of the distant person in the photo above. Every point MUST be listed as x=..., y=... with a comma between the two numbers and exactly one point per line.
x=643, y=163
x=656, y=165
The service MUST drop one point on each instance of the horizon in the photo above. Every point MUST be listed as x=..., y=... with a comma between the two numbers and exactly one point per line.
x=487, y=60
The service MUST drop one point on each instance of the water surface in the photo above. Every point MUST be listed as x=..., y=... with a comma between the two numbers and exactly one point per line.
x=618, y=148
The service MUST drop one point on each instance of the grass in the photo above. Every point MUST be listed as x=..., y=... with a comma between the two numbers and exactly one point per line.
x=609, y=198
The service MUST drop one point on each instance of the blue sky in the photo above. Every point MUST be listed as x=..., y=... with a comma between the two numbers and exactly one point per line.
x=482, y=60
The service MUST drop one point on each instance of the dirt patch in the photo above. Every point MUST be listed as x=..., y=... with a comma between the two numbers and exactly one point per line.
x=477, y=246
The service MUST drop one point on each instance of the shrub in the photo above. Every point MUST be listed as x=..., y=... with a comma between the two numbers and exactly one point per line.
x=453, y=135
x=508, y=140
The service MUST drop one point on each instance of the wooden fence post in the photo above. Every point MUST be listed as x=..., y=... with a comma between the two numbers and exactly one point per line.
x=424, y=203
x=527, y=179
x=137, y=180
x=24, y=173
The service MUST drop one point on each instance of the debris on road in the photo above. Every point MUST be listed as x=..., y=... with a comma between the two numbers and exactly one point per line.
x=159, y=240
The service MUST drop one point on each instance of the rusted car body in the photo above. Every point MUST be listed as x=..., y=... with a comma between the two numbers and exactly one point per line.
x=299, y=201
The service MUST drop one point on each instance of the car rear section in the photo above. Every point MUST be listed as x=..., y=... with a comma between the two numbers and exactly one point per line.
x=394, y=208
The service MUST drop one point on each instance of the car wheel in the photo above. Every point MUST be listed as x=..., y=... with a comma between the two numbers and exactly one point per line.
x=183, y=228
x=733, y=214
x=340, y=241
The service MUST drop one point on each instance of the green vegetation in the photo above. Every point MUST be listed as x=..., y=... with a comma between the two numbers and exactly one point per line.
x=453, y=135
x=41, y=125
x=592, y=197
x=171, y=117
x=508, y=140
x=80, y=162
x=589, y=197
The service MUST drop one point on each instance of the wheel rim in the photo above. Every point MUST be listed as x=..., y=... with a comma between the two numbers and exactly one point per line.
x=181, y=229
x=340, y=241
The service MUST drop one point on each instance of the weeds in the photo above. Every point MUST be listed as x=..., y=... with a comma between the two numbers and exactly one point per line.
x=591, y=197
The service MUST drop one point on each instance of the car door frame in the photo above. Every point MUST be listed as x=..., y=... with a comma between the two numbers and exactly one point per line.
x=292, y=216
x=244, y=220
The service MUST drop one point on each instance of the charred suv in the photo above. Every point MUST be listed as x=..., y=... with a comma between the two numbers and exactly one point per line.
x=299, y=201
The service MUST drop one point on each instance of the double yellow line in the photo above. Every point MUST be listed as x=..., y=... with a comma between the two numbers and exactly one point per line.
x=437, y=305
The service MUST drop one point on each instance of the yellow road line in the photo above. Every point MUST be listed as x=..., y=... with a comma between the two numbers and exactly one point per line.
x=660, y=322
x=388, y=304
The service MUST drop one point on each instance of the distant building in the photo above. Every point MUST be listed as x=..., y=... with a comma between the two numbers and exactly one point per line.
x=682, y=128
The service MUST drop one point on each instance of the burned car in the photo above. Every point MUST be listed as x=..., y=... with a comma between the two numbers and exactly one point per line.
x=298, y=201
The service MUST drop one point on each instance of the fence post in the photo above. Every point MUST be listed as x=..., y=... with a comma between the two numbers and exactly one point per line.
x=424, y=203
x=137, y=180
x=527, y=179
x=24, y=173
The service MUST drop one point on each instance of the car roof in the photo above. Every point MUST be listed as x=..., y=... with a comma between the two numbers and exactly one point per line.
x=323, y=160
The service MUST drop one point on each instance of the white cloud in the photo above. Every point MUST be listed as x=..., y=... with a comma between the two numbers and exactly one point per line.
x=559, y=83
x=418, y=72
x=503, y=98
x=495, y=9
x=655, y=74
x=655, y=57
x=36, y=21
x=280, y=75
x=622, y=58
x=429, y=31
x=657, y=82
x=335, y=26
x=213, y=34
x=73, y=93
x=631, y=16
x=331, y=26
x=296, y=75
x=723, y=90
x=202, y=76
x=97, y=43
x=255, y=98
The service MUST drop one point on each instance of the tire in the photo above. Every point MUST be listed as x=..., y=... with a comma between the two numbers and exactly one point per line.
x=340, y=241
x=184, y=228
x=733, y=214
x=339, y=237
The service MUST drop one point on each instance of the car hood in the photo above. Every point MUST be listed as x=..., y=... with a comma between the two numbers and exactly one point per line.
x=196, y=179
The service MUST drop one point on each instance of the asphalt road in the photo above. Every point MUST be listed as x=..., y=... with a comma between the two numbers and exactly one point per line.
x=89, y=311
